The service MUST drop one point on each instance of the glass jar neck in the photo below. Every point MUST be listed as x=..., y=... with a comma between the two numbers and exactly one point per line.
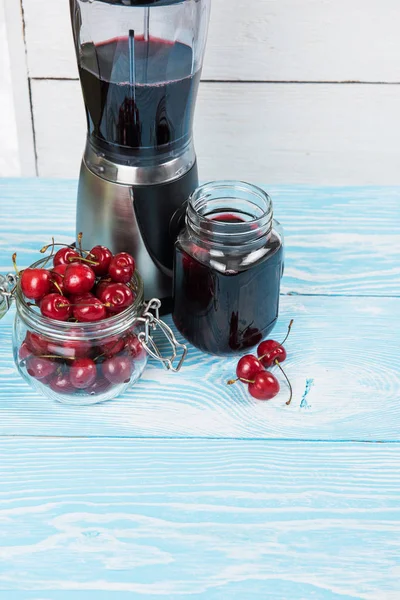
x=230, y=214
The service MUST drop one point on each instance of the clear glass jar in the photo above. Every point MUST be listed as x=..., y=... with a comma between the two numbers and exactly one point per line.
x=52, y=356
x=228, y=268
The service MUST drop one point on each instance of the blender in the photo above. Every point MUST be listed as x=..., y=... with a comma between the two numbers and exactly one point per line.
x=139, y=66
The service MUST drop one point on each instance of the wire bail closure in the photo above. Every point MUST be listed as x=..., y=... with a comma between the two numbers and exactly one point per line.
x=7, y=286
x=151, y=322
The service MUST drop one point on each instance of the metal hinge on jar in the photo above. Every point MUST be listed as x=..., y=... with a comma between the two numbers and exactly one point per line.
x=7, y=285
x=151, y=322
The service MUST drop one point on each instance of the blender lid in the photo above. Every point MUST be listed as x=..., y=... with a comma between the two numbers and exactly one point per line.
x=143, y=4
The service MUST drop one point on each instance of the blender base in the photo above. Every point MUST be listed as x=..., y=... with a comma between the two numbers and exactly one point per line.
x=141, y=220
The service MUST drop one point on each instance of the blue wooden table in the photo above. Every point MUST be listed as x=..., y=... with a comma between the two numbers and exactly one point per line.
x=186, y=487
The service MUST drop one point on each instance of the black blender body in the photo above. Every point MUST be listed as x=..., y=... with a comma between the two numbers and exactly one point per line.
x=139, y=65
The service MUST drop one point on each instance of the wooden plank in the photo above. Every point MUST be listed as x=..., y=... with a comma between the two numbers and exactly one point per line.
x=338, y=240
x=292, y=133
x=289, y=40
x=17, y=144
x=94, y=519
x=346, y=348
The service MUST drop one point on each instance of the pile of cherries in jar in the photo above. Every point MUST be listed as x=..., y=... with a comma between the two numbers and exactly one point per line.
x=252, y=370
x=81, y=287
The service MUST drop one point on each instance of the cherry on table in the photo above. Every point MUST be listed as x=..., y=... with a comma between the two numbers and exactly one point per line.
x=83, y=373
x=89, y=309
x=78, y=278
x=116, y=297
x=248, y=366
x=65, y=256
x=40, y=367
x=269, y=351
x=265, y=386
x=55, y=306
x=118, y=369
x=35, y=283
x=102, y=257
x=121, y=268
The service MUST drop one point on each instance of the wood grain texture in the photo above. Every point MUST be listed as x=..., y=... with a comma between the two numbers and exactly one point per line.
x=272, y=133
x=100, y=519
x=339, y=240
x=347, y=348
x=306, y=40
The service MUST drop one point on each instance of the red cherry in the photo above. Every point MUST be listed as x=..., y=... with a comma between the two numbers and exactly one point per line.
x=100, y=386
x=65, y=256
x=126, y=257
x=40, y=367
x=79, y=278
x=102, y=257
x=77, y=298
x=118, y=369
x=57, y=277
x=55, y=306
x=269, y=351
x=35, y=283
x=135, y=348
x=265, y=386
x=116, y=297
x=102, y=284
x=83, y=373
x=36, y=343
x=112, y=346
x=24, y=351
x=70, y=348
x=61, y=384
x=248, y=366
x=89, y=309
x=121, y=268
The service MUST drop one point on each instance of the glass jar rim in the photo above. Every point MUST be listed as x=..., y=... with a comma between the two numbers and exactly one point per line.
x=251, y=200
x=114, y=325
x=204, y=192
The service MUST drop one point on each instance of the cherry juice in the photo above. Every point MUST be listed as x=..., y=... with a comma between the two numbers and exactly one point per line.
x=139, y=94
x=226, y=312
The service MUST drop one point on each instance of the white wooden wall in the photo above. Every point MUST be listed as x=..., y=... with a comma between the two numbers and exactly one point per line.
x=294, y=91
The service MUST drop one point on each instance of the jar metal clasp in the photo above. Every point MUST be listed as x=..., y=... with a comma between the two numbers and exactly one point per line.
x=151, y=322
x=7, y=286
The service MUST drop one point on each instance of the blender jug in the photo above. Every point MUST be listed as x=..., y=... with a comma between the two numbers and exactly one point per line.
x=139, y=65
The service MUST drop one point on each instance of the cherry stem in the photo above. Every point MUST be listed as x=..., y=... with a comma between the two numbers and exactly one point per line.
x=281, y=344
x=288, y=332
x=91, y=262
x=80, y=235
x=287, y=379
x=233, y=381
x=14, y=262
x=58, y=288
x=45, y=248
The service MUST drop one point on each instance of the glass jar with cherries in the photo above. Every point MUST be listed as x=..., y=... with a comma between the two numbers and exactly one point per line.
x=88, y=360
